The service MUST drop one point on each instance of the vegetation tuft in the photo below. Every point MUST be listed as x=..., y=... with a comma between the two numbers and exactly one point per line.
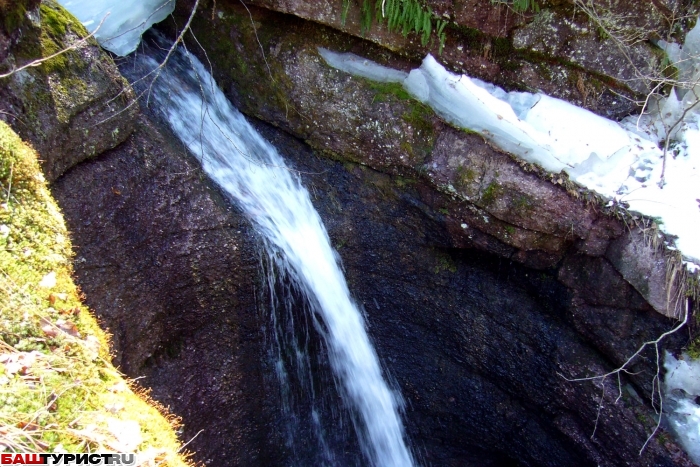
x=520, y=6
x=406, y=16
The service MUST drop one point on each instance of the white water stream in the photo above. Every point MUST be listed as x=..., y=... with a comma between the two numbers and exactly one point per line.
x=253, y=174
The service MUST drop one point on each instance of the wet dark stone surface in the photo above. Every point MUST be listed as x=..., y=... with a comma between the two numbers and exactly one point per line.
x=479, y=345
x=170, y=269
x=475, y=343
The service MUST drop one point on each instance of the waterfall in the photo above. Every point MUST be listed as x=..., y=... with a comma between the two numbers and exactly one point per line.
x=250, y=171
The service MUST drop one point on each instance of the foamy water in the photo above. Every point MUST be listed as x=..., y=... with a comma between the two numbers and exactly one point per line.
x=254, y=176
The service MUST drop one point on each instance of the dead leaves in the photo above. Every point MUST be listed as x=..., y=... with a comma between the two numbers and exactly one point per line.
x=57, y=296
x=60, y=326
x=19, y=362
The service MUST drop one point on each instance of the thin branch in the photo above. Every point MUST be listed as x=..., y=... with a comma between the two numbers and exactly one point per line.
x=255, y=31
x=174, y=47
x=656, y=381
x=39, y=61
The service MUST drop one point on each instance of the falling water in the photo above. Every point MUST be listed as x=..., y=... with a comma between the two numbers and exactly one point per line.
x=251, y=172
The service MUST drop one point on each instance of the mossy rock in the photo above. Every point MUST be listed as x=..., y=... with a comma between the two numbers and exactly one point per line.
x=73, y=105
x=14, y=13
x=57, y=387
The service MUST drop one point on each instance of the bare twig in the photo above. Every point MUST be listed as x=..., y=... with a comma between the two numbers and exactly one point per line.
x=255, y=31
x=656, y=381
x=39, y=61
x=174, y=46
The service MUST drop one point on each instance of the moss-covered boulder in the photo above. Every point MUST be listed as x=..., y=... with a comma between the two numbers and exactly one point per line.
x=71, y=106
x=58, y=390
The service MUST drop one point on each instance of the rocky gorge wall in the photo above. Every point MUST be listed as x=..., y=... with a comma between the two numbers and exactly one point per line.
x=504, y=278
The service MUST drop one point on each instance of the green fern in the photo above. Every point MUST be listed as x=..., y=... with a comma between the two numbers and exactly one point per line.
x=365, y=16
x=344, y=12
x=405, y=16
x=520, y=6
x=441, y=34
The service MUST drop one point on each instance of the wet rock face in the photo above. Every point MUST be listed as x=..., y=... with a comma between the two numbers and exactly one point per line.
x=475, y=342
x=478, y=345
x=485, y=283
x=494, y=203
x=505, y=278
x=170, y=269
x=70, y=108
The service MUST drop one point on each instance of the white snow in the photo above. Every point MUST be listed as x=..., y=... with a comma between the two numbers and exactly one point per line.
x=622, y=161
x=682, y=389
x=124, y=21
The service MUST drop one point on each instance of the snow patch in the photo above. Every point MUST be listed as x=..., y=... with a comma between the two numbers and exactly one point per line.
x=124, y=21
x=622, y=161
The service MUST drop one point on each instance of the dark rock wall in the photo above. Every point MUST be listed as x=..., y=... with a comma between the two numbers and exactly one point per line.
x=532, y=245
x=478, y=344
x=171, y=270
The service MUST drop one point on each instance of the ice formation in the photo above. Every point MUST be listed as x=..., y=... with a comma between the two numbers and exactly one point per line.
x=359, y=66
x=124, y=21
x=620, y=160
x=682, y=390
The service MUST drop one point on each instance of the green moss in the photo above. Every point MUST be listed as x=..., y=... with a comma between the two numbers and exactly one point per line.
x=13, y=15
x=406, y=147
x=522, y=203
x=445, y=263
x=64, y=383
x=465, y=175
x=403, y=182
x=502, y=47
x=492, y=192
x=694, y=349
x=383, y=91
x=471, y=38
x=419, y=116
x=56, y=22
